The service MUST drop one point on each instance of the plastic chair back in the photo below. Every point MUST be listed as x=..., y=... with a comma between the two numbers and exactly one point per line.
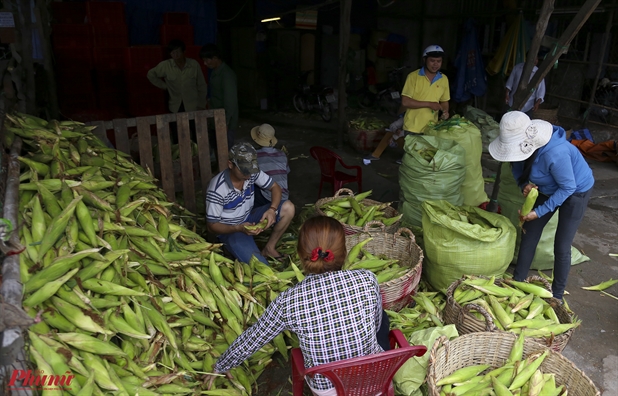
x=363, y=376
x=328, y=161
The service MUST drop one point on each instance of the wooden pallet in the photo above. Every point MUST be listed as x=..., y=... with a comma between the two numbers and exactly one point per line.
x=162, y=122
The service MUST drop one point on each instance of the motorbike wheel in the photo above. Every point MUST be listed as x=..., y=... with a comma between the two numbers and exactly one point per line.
x=326, y=112
x=300, y=103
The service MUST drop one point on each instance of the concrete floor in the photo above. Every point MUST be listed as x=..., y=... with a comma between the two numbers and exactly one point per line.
x=594, y=345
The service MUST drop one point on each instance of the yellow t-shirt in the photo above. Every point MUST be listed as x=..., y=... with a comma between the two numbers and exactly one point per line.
x=418, y=87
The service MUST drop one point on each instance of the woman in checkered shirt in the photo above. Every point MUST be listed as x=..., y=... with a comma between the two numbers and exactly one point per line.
x=336, y=314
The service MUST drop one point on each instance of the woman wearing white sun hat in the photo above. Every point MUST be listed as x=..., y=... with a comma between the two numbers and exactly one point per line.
x=542, y=158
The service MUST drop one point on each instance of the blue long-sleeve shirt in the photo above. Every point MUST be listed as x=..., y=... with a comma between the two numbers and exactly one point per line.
x=559, y=171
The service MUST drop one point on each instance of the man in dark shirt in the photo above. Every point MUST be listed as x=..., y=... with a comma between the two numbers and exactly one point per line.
x=222, y=88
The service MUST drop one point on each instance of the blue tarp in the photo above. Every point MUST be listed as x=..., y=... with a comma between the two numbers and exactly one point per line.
x=471, y=79
x=144, y=19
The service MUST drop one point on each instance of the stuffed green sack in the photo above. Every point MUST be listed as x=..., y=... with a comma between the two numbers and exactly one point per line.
x=464, y=240
x=432, y=168
x=468, y=136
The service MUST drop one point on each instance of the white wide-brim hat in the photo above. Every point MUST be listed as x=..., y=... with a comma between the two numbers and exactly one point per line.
x=264, y=135
x=519, y=137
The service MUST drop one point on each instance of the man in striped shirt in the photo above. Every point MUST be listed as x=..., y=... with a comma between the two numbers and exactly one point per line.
x=230, y=206
x=271, y=161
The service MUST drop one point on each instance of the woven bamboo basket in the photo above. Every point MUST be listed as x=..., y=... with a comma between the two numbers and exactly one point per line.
x=396, y=293
x=494, y=349
x=365, y=141
x=455, y=314
x=389, y=211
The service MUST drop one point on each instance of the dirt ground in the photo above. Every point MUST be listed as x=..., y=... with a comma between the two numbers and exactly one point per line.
x=594, y=345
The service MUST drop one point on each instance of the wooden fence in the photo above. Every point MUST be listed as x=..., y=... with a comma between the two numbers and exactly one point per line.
x=162, y=122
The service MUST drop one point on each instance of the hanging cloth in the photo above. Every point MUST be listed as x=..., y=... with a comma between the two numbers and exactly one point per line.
x=512, y=49
x=471, y=80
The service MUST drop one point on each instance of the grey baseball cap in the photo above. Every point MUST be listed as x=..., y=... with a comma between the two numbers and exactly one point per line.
x=245, y=158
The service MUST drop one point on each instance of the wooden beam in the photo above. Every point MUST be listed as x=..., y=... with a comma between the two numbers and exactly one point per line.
x=145, y=144
x=166, y=164
x=602, y=53
x=541, y=27
x=221, y=138
x=171, y=117
x=186, y=161
x=121, y=134
x=344, y=43
x=565, y=39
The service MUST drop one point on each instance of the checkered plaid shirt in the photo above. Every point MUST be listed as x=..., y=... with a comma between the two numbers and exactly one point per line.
x=335, y=315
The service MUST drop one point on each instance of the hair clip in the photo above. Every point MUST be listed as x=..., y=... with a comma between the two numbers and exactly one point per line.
x=326, y=255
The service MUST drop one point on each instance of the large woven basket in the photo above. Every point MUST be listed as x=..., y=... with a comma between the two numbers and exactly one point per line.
x=396, y=293
x=455, y=314
x=493, y=349
x=365, y=141
x=389, y=211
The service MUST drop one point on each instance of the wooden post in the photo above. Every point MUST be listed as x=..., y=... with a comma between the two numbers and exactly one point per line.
x=43, y=20
x=23, y=24
x=541, y=27
x=12, y=355
x=608, y=28
x=344, y=43
x=578, y=21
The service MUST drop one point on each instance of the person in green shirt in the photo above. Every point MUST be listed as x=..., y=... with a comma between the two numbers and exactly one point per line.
x=182, y=78
x=222, y=88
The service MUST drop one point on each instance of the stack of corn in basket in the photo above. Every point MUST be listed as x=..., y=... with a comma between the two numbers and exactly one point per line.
x=388, y=240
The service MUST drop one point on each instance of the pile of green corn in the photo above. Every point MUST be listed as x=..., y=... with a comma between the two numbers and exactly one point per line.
x=453, y=123
x=518, y=376
x=352, y=211
x=427, y=312
x=367, y=124
x=383, y=267
x=132, y=300
x=518, y=307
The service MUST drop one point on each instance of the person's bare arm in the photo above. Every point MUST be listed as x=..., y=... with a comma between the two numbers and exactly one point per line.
x=445, y=108
x=220, y=228
x=270, y=214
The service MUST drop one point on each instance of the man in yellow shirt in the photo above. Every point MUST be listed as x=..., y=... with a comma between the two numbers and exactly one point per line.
x=183, y=79
x=425, y=94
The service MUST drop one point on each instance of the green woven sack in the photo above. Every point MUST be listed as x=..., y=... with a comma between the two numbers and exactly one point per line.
x=433, y=168
x=490, y=129
x=468, y=136
x=464, y=240
x=510, y=200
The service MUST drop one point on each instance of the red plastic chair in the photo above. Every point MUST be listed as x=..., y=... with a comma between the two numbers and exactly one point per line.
x=363, y=376
x=328, y=160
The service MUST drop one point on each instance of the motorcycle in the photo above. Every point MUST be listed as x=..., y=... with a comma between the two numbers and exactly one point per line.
x=312, y=98
x=606, y=95
x=388, y=95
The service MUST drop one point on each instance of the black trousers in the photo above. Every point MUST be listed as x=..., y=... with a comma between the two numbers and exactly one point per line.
x=383, y=332
x=570, y=216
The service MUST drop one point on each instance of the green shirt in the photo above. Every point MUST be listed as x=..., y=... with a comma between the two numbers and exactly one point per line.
x=186, y=85
x=224, y=94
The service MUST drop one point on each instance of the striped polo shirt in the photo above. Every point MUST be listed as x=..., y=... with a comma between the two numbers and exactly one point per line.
x=274, y=163
x=228, y=205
